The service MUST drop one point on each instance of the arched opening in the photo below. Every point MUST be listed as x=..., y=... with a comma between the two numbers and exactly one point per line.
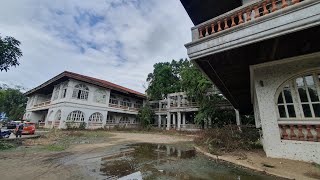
x=80, y=91
x=96, y=118
x=75, y=116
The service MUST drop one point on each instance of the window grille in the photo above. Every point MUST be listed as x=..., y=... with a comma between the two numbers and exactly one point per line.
x=96, y=117
x=75, y=116
x=80, y=92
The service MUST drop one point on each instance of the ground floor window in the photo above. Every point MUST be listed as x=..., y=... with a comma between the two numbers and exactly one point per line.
x=110, y=119
x=76, y=116
x=96, y=117
x=124, y=120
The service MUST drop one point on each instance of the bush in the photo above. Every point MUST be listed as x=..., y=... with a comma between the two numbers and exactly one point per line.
x=76, y=125
x=229, y=138
x=7, y=145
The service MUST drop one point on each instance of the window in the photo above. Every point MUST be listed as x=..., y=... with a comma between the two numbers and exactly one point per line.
x=124, y=120
x=81, y=92
x=300, y=94
x=56, y=92
x=110, y=119
x=126, y=102
x=57, y=117
x=96, y=117
x=113, y=99
x=100, y=96
x=64, y=90
x=75, y=116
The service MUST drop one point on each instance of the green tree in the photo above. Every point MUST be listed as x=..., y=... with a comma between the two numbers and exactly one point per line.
x=145, y=116
x=165, y=79
x=13, y=103
x=9, y=53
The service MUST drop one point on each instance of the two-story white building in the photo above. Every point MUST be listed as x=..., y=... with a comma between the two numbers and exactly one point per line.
x=71, y=97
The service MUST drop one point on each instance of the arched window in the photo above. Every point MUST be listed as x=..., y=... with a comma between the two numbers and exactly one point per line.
x=64, y=90
x=81, y=91
x=57, y=117
x=299, y=97
x=75, y=116
x=124, y=120
x=126, y=102
x=56, y=92
x=96, y=117
x=100, y=96
x=110, y=119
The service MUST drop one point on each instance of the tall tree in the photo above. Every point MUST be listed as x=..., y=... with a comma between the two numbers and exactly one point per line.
x=9, y=53
x=13, y=103
x=165, y=79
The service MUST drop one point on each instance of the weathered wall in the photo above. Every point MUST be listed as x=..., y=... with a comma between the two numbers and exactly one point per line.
x=274, y=75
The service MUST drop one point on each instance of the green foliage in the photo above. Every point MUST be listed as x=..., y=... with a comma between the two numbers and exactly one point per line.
x=9, y=53
x=165, y=79
x=55, y=147
x=13, y=103
x=5, y=145
x=145, y=116
x=71, y=125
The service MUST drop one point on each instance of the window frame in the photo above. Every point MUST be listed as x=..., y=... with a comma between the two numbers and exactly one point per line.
x=81, y=92
x=96, y=118
x=74, y=115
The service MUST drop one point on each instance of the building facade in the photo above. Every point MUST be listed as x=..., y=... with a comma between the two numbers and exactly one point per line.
x=264, y=56
x=73, y=98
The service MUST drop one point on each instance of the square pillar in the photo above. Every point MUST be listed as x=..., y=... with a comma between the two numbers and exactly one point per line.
x=238, y=120
x=168, y=121
x=179, y=120
x=159, y=121
x=184, y=120
x=174, y=120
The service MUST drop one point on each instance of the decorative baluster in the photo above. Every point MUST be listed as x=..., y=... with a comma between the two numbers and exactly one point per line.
x=200, y=33
x=264, y=5
x=284, y=132
x=293, y=135
x=233, y=23
x=248, y=12
x=207, y=32
x=274, y=6
x=284, y=4
x=295, y=1
x=318, y=132
x=256, y=12
x=309, y=135
x=240, y=17
x=212, y=28
x=226, y=23
x=219, y=26
x=300, y=134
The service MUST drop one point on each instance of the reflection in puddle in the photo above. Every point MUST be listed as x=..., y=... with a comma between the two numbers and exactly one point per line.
x=150, y=161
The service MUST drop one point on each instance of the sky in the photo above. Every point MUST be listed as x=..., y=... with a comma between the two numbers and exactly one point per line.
x=115, y=40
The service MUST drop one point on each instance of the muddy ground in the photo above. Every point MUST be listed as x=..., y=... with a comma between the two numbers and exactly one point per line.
x=48, y=157
x=45, y=158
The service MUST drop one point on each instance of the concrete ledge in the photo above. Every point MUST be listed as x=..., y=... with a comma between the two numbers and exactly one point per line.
x=239, y=163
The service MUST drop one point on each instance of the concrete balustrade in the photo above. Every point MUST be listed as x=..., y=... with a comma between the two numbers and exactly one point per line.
x=240, y=15
x=300, y=132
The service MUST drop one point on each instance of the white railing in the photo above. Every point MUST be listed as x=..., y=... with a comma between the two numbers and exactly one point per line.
x=41, y=105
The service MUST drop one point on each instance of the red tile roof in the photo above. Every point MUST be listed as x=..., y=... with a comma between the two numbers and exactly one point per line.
x=87, y=79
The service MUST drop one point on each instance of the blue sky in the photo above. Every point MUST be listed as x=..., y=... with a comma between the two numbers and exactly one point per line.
x=115, y=40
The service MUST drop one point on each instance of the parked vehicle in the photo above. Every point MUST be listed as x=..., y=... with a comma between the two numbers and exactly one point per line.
x=12, y=125
x=29, y=128
x=5, y=133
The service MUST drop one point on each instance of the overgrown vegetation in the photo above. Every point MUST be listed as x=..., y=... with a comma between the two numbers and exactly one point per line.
x=12, y=102
x=145, y=116
x=5, y=145
x=229, y=139
x=71, y=125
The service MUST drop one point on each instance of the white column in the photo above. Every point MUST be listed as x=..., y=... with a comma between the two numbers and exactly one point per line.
x=168, y=120
x=174, y=120
x=238, y=120
x=179, y=100
x=179, y=120
x=104, y=120
x=184, y=120
x=159, y=121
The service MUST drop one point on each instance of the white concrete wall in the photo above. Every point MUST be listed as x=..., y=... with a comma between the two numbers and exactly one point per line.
x=274, y=75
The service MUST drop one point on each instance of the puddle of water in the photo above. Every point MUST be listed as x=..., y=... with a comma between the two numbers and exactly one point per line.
x=152, y=161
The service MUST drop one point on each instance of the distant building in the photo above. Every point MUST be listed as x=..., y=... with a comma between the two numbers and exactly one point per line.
x=264, y=56
x=74, y=98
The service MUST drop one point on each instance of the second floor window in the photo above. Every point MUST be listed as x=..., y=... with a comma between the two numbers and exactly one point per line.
x=80, y=92
x=64, y=90
x=56, y=93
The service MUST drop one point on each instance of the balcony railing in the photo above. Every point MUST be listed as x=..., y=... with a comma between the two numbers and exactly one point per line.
x=134, y=108
x=41, y=105
x=300, y=132
x=240, y=16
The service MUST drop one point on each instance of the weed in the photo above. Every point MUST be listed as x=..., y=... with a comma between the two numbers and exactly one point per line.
x=7, y=145
x=55, y=147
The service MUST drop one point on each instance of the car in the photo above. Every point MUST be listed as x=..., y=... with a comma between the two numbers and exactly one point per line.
x=12, y=125
x=29, y=128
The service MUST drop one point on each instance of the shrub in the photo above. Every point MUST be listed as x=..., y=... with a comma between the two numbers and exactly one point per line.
x=7, y=145
x=229, y=138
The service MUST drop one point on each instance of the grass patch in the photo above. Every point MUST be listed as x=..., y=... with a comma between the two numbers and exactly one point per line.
x=55, y=147
x=5, y=145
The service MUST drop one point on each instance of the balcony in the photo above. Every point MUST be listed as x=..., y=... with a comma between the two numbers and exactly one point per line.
x=41, y=106
x=250, y=23
x=132, y=107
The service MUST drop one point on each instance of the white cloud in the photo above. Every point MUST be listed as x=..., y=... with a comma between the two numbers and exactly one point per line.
x=115, y=40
